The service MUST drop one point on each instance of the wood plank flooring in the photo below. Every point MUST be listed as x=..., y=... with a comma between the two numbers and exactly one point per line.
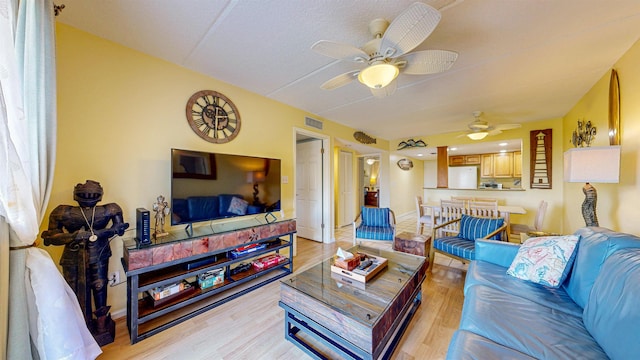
x=252, y=326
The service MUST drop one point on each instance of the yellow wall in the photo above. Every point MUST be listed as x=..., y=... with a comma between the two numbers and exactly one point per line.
x=121, y=111
x=530, y=198
x=617, y=206
x=405, y=185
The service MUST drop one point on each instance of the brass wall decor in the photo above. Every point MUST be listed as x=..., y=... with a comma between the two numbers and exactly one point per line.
x=584, y=134
x=213, y=117
x=540, y=164
x=405, y=164
x=614, y=109
x=364, y=138
x=411, y=144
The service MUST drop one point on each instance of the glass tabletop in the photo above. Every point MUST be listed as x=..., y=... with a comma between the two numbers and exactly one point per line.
x=364, y=302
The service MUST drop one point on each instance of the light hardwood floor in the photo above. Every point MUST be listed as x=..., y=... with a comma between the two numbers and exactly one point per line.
x=252, y=326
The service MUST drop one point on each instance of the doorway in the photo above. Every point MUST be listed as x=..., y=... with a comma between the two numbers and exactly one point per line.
x=312, y=186
x=369, y=167
x=346, y=208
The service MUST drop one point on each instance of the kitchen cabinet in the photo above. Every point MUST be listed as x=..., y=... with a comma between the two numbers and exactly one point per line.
x=472, y=159
x=517, y=164
x=486, y=165
x=458, y=160
x=503, y=165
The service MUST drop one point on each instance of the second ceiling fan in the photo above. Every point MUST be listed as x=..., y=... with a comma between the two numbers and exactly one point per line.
x=479, y=129
x=388, y=53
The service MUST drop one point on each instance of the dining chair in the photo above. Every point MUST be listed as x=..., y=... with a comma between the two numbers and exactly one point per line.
x=451, y=210
x=374, y=224
x=424, y=218
x=485, y=199
x=518, y=229
x=484, y=208
x=464, y=199
x=461, y=245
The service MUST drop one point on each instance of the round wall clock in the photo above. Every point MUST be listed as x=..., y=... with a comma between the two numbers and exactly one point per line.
x=213, y=116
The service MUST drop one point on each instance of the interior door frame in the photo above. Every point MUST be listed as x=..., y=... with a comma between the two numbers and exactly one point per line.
x=348, y=202
x=327, y=174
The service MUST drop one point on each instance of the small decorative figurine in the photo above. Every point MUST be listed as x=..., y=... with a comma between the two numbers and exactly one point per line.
x=161, y=208
x=85, y=234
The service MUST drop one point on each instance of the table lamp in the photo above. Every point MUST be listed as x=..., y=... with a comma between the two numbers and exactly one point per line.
x=592, y=164
x=255, y=177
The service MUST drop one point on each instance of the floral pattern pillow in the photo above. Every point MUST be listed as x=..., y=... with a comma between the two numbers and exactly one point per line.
x=238, y=206
x=545, y=260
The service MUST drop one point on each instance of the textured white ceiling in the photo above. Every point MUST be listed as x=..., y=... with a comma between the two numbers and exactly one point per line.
x=518, y=61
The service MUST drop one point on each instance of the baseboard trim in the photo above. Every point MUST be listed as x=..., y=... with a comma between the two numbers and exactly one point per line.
x=118, y=313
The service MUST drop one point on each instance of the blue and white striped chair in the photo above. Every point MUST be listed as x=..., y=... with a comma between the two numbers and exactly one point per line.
x=374, y=224
x=462, y=245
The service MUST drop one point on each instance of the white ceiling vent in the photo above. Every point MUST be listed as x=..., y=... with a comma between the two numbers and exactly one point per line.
x=313, y=122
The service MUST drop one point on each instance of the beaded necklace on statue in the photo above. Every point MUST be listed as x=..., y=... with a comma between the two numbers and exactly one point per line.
x=93, y=236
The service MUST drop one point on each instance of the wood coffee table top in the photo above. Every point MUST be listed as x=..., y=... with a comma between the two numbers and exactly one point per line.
x=365, y=303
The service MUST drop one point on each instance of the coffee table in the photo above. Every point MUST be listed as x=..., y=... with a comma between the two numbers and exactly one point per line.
x=325, y=311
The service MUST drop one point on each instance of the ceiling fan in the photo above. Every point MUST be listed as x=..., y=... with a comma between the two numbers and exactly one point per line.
x=479, y=129
x=388, y=53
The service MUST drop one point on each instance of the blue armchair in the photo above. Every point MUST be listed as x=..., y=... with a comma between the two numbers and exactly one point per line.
x=461, y=246
x=374, y=224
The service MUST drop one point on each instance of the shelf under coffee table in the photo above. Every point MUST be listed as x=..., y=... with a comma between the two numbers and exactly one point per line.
x=354, y=320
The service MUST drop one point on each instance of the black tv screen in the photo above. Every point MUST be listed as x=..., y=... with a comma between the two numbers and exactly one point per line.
x=207, y=186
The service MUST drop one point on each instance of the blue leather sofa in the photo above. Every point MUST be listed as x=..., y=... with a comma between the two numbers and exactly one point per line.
x=594, y=314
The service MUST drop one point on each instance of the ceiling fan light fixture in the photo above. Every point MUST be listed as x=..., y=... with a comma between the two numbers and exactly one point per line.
x=478, y=135
x=378, y=75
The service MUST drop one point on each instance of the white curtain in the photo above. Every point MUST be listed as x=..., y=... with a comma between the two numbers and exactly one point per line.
x=44, y=319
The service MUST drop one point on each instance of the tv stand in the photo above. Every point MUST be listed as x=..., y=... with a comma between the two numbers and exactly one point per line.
x=174, y=258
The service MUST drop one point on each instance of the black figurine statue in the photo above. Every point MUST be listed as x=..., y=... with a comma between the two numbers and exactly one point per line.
x=85, y=232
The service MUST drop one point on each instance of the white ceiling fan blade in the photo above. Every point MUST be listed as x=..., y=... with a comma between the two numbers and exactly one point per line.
x=495, y=132
x=340, y=51
x=340, y=80
x=429, y=62
x=385, y=91
x=508, y=126
x=409, y=30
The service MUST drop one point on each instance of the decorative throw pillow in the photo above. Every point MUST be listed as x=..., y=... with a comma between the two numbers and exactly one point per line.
x=472, y=228
x=375, y=216
x=238, y=206
x=545, y=260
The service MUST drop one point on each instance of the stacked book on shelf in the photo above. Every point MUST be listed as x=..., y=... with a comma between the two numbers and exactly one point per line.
x=162, y=294
x=246, y=250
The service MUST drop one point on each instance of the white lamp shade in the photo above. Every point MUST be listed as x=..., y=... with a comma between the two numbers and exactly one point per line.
x=592, y=164
x=478, y=135
x=255, y=177
x=379, y=75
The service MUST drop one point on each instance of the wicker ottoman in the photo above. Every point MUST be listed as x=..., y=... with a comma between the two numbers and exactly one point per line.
x=412, y=243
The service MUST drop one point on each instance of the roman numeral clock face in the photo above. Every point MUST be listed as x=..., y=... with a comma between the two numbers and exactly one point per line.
x=213, y=116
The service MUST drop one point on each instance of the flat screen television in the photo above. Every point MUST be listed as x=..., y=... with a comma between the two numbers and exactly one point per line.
x=208, y=186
